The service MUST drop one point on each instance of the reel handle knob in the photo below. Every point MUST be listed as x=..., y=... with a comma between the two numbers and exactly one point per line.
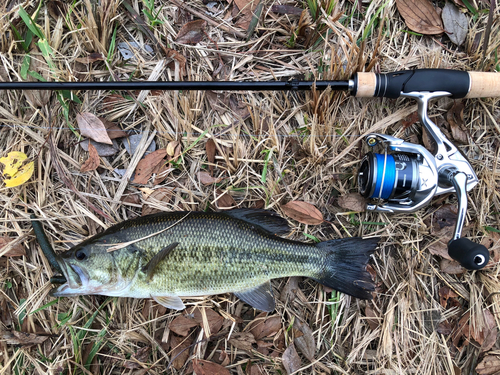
x=470, y=255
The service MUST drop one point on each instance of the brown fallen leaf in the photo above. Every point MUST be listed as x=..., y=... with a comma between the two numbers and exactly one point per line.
x=211, y=149
x=180, y=352
x=182, y=324
x=305, y=343
x=440, y=248
x=303, y=212
x=181, y=60
x=291, y=360
x=56, y=8
x=492, y=243
x=289, y=292
x=263, y=326
x=157, y=198
x=21, y=338
x=242, y=340
x=353, y=202
x=202, y=367
x=92, y=162
x=246, y=9
x=192, y=32
x=141, y=356
x=444, y=328
x=490, y=365
x=444, y=220
x=161, y=173
x=206, y=179
x=173, y=149
x=91, y=58
x=420, y=16
x=286, y=9
x=372, y=318
x=92, y=127
x=112, y=100
x=113, y=130
x=455, y=23
x=487, y=336
x=410, y=120
x=15, y=251
x=225, y=200
x=445, y=293
x=238, y=108
x=146, y=166
x=451, y=267
x=455, y=117
x=218, y=101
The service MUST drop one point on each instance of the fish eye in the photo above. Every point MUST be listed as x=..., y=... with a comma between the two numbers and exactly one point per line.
x=81, y=254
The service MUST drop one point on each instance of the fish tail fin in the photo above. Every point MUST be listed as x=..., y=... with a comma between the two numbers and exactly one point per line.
x=345, y=266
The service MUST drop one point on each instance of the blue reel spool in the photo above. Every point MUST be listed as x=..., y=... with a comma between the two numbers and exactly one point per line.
x=388, y=176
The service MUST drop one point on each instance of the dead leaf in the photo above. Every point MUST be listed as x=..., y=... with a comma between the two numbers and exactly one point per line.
x=56, y=8
x=182, y=324
x=156, y=198
x=146, y=166
x=440, y=248
x=112, y=100
x=192, y=32
x=490, y=365
x=305, y=343
x=102, y=148
x=291, y=360
x=113, y=130
x=92, y=127
x=225, y=200
x=210, y=148
x=180, y=353
x=22, y=338
x=206, y=179
x=224, y=358
x=492, y=243
x=287, y=9
x=181, y=60
x=446, y=293
x=263, y=326
x=171, y=147
x=420, y=16
x=289, y=292
x=410, y=120
x=218, y=101
x=214, y=320
x=303, y=212
x=15, y=251
x=242, y=340
x=456, y=24
x=141, y=356
x=91, y=58
x=202, y=367
x=238, y=108
x=455, y=117
x=487, y=336
x=372, y=317
x=444, y=328
x=451, y=267
x=353, y=202
x=246, y=9
x=92, y=162
x=444, y=220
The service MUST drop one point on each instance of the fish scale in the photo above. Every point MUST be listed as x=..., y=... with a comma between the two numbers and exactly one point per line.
x=184, y=254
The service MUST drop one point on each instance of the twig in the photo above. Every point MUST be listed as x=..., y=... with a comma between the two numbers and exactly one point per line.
x=493, y=5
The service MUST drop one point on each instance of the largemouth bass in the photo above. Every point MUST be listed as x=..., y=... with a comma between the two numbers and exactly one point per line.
x=166, y=256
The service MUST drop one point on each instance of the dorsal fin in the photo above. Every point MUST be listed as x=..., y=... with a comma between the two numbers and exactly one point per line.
x=268, y=221
x=150, y=267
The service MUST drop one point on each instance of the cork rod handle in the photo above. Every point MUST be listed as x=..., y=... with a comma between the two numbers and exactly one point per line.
x=484, y=85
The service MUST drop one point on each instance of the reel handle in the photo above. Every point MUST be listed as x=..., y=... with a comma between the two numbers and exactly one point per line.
x=470, y=255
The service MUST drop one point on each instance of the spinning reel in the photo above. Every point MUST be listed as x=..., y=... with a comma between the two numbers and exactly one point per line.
x=407, y=176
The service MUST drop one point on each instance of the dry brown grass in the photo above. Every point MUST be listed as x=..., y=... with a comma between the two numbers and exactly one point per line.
x=314, y=142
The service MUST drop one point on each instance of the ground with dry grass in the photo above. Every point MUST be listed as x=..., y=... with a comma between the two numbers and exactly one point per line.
x=240, y=149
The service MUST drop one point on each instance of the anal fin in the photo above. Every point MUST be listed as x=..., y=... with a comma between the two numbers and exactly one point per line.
x=170, y=302
x=260, y=297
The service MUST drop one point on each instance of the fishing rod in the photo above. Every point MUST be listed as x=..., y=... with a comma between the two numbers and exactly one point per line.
x=406, y=176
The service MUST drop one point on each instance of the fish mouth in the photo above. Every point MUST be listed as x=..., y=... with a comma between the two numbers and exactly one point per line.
x=77, y=281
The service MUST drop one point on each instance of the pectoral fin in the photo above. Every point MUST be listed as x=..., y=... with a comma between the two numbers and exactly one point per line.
x=170, y=302
x=150, y=267
x=261, y=297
